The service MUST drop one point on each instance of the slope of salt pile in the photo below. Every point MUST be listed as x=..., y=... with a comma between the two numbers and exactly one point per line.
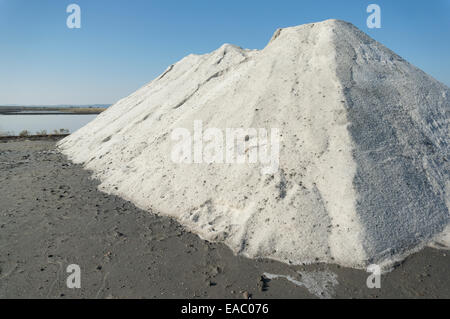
x=363, y=171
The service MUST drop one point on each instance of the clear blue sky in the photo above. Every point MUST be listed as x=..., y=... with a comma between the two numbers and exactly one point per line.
x=124, y=44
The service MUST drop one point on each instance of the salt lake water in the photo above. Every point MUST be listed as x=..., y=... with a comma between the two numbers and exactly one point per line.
x=14, y=124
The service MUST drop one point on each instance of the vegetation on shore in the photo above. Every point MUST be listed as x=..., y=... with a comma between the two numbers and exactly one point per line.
x=8, y=110
x=25, y=133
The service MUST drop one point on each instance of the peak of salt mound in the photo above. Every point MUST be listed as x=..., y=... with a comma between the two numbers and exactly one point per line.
x=363, y=171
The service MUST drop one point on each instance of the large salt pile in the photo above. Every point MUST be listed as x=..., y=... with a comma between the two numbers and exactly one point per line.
x=363, y=174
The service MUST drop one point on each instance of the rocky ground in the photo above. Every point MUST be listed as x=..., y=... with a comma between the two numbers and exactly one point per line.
x=52, y=215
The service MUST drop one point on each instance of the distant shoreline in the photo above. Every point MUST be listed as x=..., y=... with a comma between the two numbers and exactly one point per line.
x=26, y=110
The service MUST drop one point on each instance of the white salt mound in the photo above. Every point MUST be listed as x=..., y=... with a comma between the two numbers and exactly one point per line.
x=363, y=175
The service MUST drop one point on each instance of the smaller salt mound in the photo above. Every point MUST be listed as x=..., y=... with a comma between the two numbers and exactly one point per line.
x=363, y=168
